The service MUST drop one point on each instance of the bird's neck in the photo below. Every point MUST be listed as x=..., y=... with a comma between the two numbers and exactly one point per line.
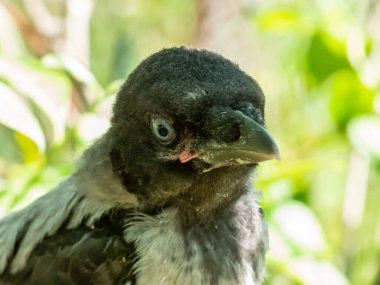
x=212, y=193
x=95, y=179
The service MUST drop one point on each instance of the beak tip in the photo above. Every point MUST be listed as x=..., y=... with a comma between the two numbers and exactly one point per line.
x=276, y=152
x=278, y=155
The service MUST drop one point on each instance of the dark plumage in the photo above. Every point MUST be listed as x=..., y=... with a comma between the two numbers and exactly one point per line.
x=165, y=196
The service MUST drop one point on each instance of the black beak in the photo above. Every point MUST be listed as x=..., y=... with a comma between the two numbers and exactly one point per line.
x=253, y=145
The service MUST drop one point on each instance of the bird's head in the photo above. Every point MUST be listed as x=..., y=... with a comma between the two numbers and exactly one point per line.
x=186, y=125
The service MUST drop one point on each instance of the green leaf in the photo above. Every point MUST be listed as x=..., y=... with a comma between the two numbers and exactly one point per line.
x=15, y=114
x=349, y=98
x=9, y=150
x=48, y=92
x=90, y=89
x=277, y=20
x=284, y=20
x=29, y=149
x=325, y=56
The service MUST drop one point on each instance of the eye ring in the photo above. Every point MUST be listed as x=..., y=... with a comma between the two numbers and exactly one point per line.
x=162, y=129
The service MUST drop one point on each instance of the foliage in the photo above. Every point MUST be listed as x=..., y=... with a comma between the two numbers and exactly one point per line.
x=318, y=63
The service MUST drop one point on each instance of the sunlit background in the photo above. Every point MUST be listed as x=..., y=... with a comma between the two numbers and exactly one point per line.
x=318, y=62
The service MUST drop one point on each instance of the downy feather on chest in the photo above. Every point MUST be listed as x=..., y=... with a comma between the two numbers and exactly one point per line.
x=227, y=249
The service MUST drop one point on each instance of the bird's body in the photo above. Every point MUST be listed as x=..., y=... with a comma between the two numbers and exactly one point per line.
x=165, y=196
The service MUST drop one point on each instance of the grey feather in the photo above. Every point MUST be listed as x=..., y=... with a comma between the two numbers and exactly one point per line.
x=84, y=197
x=156, y=237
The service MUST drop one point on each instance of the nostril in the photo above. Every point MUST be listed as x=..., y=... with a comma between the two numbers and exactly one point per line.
x=235, y=135
x=223, y=124
x=230, y=134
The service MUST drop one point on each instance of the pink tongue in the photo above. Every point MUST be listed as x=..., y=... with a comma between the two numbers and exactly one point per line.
x=186, y=155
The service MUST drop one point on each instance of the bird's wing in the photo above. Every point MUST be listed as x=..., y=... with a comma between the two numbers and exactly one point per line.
x=22, y=231
x=84, y=255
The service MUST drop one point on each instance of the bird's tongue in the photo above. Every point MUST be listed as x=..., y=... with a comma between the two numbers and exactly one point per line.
x=186, y=155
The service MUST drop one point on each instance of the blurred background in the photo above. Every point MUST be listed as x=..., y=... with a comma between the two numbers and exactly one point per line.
x=318, y=62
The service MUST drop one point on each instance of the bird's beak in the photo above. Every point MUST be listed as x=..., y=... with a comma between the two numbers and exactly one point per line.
x=254, y=145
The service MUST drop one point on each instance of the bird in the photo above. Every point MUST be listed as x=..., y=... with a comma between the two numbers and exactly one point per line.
x=166, y=195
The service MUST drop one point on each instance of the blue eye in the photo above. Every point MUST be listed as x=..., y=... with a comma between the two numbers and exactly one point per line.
x=162, y=129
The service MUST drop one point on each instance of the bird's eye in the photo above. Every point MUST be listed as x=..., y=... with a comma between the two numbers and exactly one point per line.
x=162, y=129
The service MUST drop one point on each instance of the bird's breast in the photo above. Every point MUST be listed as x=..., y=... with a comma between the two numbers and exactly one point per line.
x=222, y=251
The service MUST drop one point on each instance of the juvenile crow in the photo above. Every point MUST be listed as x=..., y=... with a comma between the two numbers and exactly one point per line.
x=165, y=196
